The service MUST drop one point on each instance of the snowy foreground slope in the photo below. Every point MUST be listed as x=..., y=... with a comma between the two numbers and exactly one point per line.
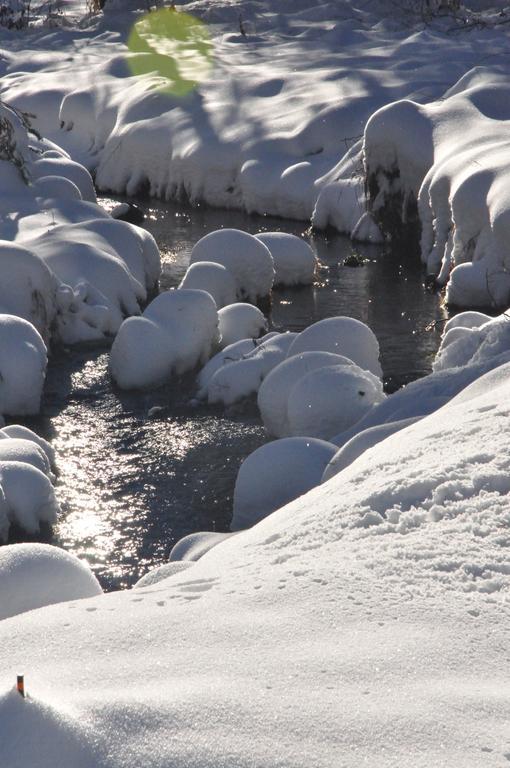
x=365, y=623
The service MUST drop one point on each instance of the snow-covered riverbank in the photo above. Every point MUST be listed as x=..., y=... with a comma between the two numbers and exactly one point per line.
x=366, y=621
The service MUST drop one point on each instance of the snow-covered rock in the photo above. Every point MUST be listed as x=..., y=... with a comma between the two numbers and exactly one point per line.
x=244, y=256
x=361, y=443
x=294, y=260
x=418, y=162
x=196, y=545
x=240, y=321
x=176, y=332
x=27, y=497
x=331, y=399
x=213, y=278
x=162, y=572
x=237, y=374
x=24, y=433
x=273, y=394
x=25, y=451
x=23, y=360
x=275, y=474
x=34, y=575
x=342, y=336
x=27, y=287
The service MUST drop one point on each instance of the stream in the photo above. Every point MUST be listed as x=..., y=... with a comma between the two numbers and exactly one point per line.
x=138, y=471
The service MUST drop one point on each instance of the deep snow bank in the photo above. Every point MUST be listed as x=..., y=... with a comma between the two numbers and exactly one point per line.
x=446, y=163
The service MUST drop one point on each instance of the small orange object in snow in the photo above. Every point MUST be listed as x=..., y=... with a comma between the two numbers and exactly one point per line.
x=20, y=685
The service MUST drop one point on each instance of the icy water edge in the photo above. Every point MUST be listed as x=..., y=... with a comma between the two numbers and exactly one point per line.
x=138, y=471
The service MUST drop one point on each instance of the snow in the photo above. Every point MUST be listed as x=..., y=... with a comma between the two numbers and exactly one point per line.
x=246, y=258
x=369, y=613
x=196, y=545
x=24, y=433
x=23, y=361
x=366, y=621
x=27, y=497
x=294, y=260
x=275, y=474
x=447, y=158
x=239, y=371
x=162, y=572
x=343, y=336
x=274, y=391
x=213, y=278
x=461, y=346
x=240, y=321
x=331, y=399
x=25, y=451
x=34, y=575
x=361, y=443
x=177, y=331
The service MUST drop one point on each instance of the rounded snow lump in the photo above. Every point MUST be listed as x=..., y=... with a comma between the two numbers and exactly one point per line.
x=161, y=573
x=34, y=575
x=275, y=474
x=213, y=278
x=294, y=260
x=343, y=336
x=245, y=257
x=330, y=400
x=177, y=331
x=196, y=545
x=22, y=366
x=240, y=321
x=276, y=387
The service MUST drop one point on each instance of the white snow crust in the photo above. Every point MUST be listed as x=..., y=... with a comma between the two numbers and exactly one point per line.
x=196, y=545
x=23, y=360
x=213, y=278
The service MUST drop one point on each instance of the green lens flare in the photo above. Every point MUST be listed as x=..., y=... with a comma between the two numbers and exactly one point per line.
x=174, y=46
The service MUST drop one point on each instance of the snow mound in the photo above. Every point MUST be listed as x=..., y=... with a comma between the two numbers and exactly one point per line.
x=463, y=346
x=246, y=258
x=25, y=451
x=466, y=320
x=239, y=374
x=27, y=497
x=274, y=391
x=294, y=260
x=23, y=360
x=275, y=474
x=162, y=572
x=240, y=321
x=33, y=575
x=361, y=443
x=332, y=399
x=17, y=430
x=343, y=336
x=32, y=728
x=196, y=545
x=27, y=287
x=213, y=278
x=176, y=332
x=420, y=164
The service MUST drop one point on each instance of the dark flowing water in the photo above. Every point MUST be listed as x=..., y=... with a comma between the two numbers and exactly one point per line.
x=138, y=471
